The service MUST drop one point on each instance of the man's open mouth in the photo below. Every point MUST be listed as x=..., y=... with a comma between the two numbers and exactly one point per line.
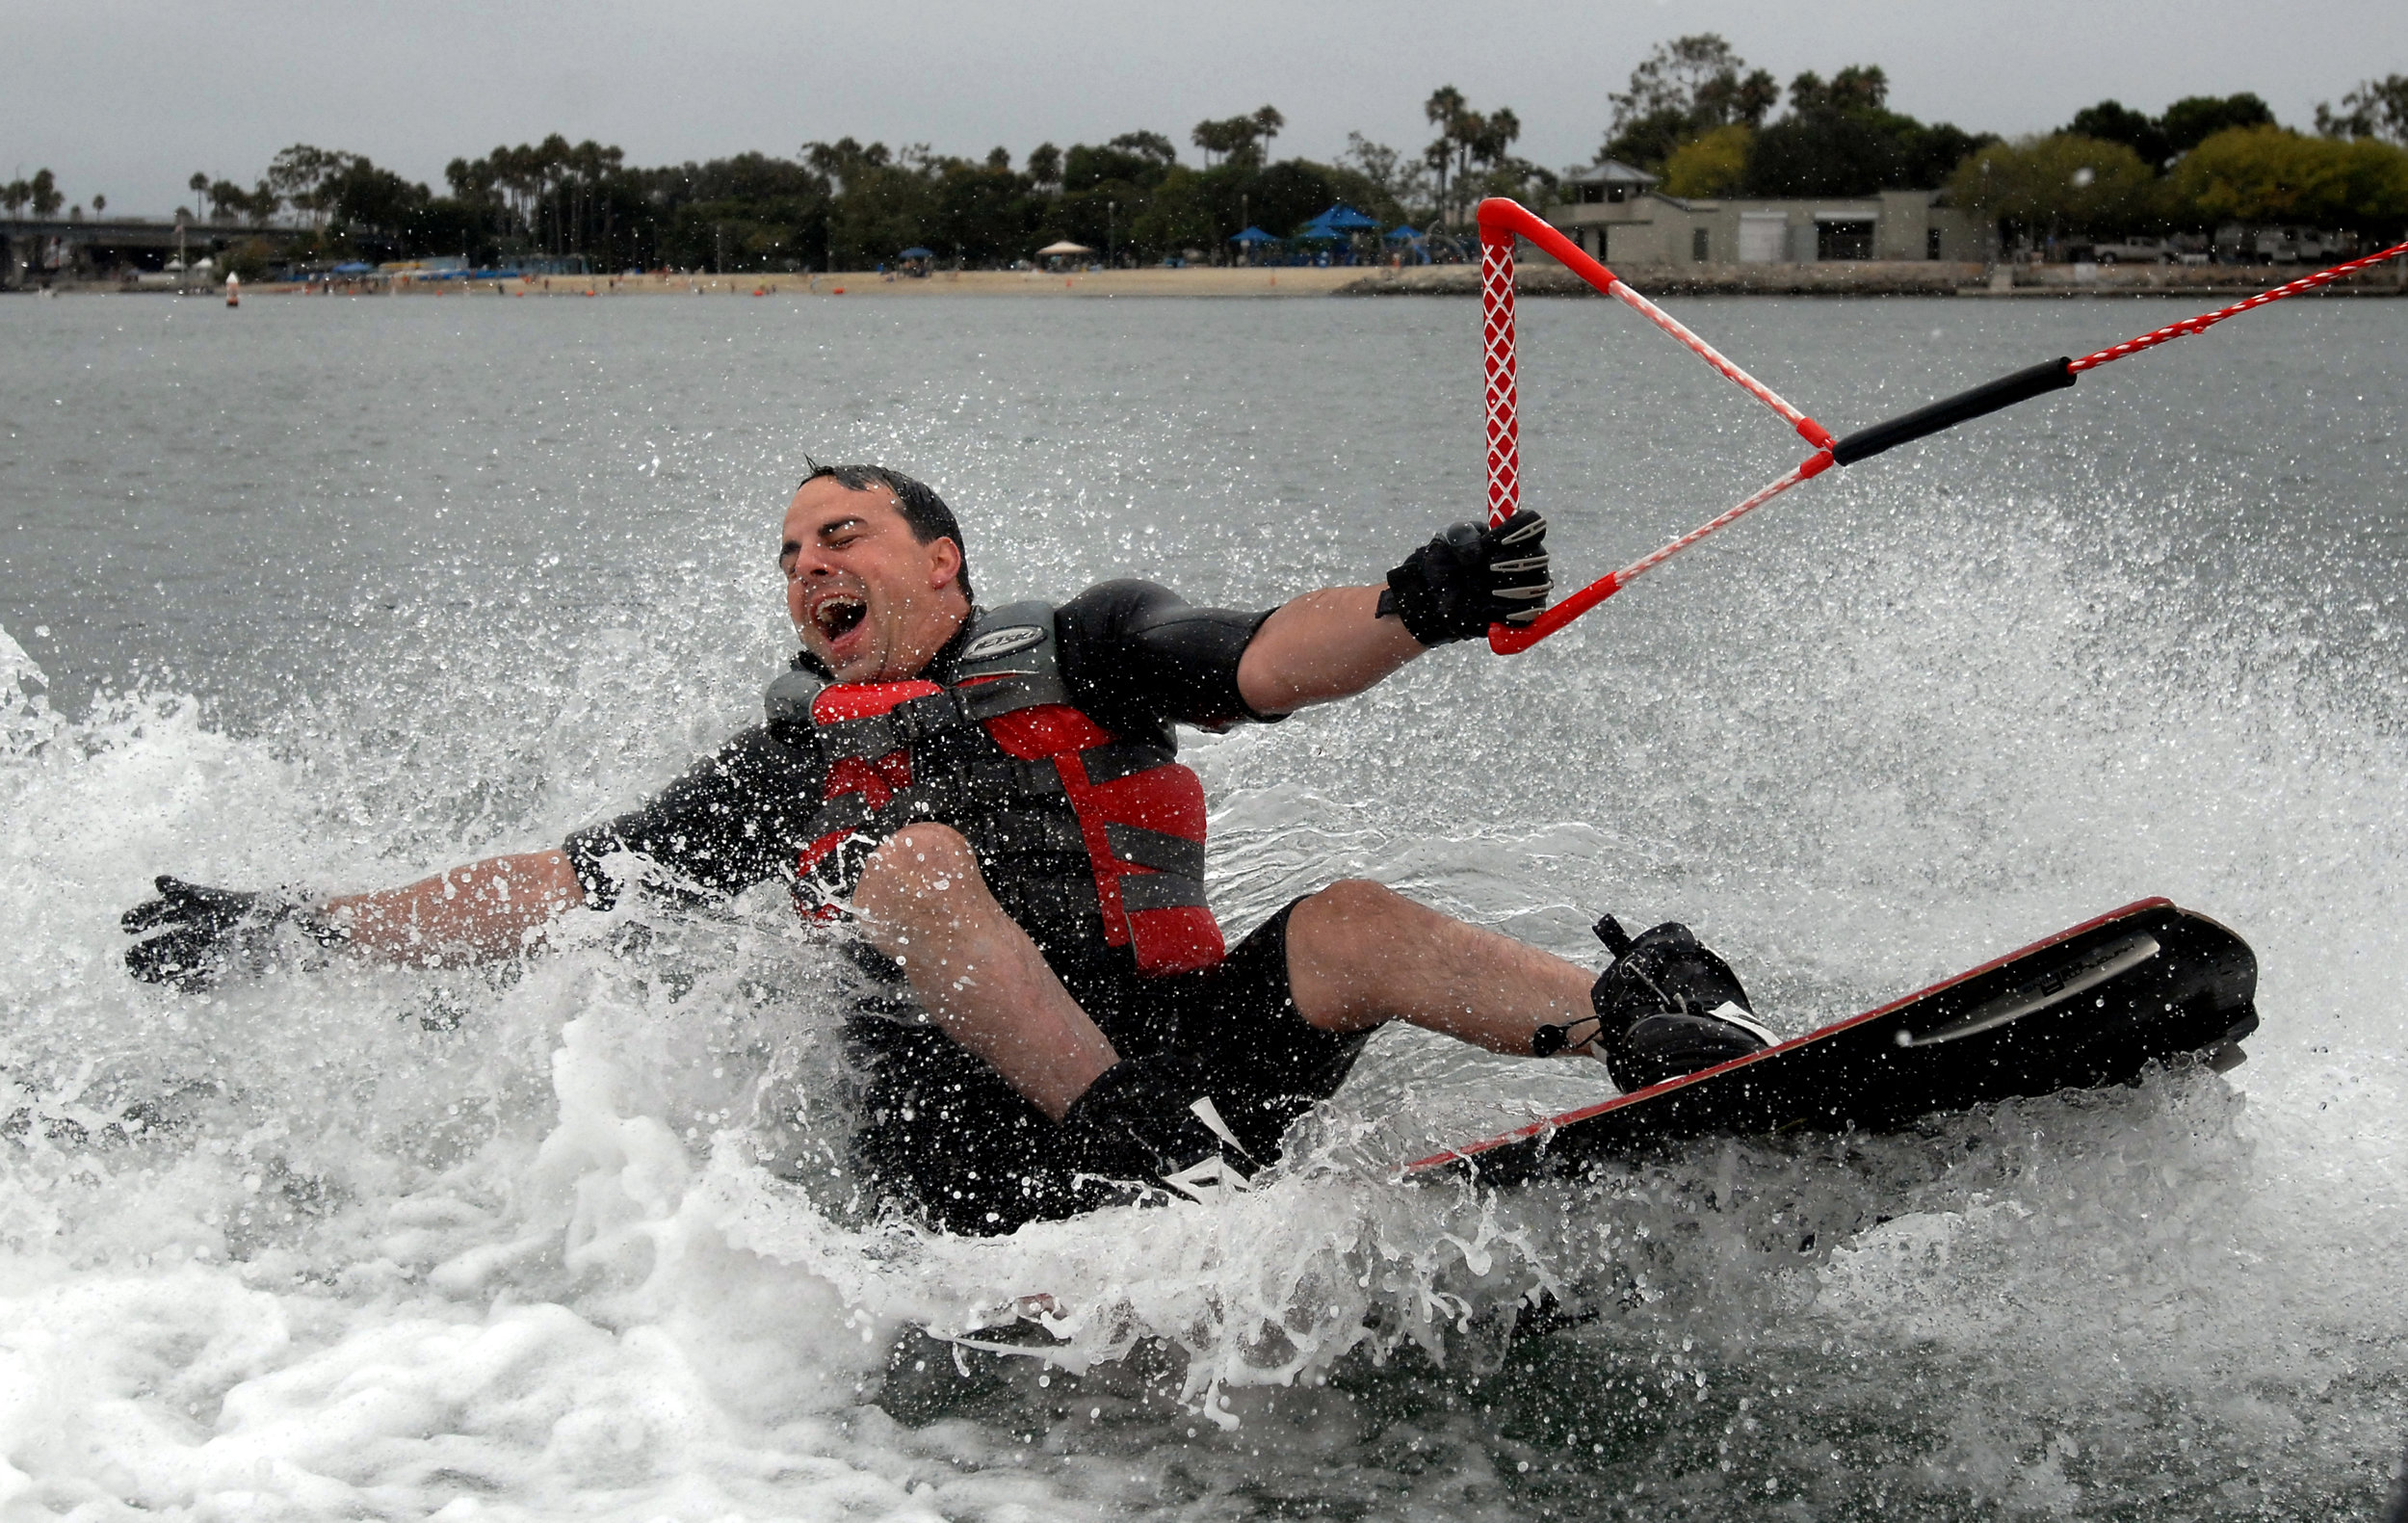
x=837, y=617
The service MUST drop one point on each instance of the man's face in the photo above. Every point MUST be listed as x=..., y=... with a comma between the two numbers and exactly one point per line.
x=866, y=596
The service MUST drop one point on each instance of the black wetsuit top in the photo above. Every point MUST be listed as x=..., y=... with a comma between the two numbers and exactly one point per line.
x=1136, y=658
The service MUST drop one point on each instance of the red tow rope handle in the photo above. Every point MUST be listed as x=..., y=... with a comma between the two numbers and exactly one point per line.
x=1501, y=222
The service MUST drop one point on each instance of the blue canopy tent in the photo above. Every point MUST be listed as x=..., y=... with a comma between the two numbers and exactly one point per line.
x=1406, y=240
x=352, y=267
x=917, y=252
x=1345, y=219
x=1252, y=242
x=1338, y=225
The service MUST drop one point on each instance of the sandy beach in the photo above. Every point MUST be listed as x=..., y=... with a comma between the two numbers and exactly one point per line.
x=1293, y=282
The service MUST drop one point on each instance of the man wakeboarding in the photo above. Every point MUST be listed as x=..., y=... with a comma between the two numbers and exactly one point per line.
x=990, y=807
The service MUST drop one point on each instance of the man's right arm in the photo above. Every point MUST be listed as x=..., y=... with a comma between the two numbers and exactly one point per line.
x=494, y=908
x=727, y=824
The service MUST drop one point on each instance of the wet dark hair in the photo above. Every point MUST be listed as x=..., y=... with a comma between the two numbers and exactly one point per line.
x=930, y=520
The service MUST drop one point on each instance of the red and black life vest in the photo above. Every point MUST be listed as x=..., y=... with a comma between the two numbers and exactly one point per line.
x=1087, y=839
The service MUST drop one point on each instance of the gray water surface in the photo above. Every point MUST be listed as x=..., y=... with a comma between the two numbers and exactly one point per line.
x=338, y=591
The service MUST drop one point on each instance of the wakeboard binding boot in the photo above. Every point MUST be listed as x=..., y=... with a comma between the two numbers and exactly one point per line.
x=1667, y=1006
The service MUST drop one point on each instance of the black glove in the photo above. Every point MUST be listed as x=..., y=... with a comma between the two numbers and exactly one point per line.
x=1145, y=1118
x=201, y=932
x=1468, y=578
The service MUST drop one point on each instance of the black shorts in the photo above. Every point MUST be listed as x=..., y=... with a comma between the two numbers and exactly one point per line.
x=942, y=1134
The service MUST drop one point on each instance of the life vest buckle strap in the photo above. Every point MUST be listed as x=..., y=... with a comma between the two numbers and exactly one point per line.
x=931, y=718
x=1155, y=850
x=1141, y=892
x=1011, y=777
x=1026, y=832
x=870, y=736
x=983, y=700
x=1114, y=760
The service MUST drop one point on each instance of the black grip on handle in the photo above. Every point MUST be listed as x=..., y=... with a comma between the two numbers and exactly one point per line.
x=1948, y=411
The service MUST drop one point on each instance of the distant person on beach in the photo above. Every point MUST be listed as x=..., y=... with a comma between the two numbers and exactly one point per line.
x=986, y=807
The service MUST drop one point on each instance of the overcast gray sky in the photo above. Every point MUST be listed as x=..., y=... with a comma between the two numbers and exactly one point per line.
x=129, y=99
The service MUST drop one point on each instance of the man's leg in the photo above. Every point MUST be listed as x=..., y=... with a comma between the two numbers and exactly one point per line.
x=922, y=902
x=1360, y=954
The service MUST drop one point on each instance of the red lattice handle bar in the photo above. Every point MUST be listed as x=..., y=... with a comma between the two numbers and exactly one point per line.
x=1503, y=222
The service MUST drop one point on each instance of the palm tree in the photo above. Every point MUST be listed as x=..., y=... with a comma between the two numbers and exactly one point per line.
x=1267, y=125
x=1445, y=110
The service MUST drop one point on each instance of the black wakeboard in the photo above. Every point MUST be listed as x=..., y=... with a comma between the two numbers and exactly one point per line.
x=2083, y=1009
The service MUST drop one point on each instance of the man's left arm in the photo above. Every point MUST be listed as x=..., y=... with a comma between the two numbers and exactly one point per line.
x=1335, y=643
x=1324, y=646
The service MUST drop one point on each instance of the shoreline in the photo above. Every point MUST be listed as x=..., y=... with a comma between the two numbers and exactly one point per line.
x=1536, y=276
x=1265, y=283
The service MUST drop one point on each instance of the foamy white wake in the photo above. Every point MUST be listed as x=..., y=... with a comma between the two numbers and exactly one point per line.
x=578, y=1239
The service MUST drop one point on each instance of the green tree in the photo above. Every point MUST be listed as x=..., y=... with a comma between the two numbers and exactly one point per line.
x=1445, y=109
x=297, y=173
x=1713, y=165
x=1684, y=90
x=1469, y=137
x=43, y=192
x=1239, y=140
x=2059, y=185
x=2112, y=122
x=2378, y=108
x=1218, y=138
x=1134, y=159
x=1268, y=124
x=249, y=259
x=2267, y=175
x=1839, y=138
x=2194, y=118
x=1824, y=152
x=1401, y=180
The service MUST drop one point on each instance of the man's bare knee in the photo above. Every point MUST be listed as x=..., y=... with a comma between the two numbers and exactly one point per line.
x=918, y=875
x=1343, y=944
x=1358, y=898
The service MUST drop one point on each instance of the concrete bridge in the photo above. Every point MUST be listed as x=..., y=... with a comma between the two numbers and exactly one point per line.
x=39, y=251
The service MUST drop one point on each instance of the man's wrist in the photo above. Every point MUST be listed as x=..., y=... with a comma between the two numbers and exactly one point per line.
x=1411, y=600
x=318, y=919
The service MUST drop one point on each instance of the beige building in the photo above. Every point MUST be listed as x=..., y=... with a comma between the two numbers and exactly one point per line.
x=1615, y=214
